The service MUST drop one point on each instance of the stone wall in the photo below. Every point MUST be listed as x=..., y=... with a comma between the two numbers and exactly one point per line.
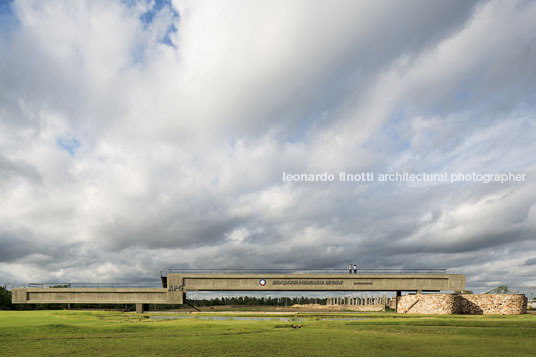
x=477, y=304
x=444, y=304
x=493, y=304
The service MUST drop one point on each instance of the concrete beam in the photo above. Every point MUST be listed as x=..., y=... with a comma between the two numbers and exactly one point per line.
x=90, y=296
x=179, y=284
x=315, y=282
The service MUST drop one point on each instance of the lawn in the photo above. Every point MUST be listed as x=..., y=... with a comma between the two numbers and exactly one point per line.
x=53, y=333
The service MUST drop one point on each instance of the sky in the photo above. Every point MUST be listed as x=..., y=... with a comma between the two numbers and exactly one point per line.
x=137, y=136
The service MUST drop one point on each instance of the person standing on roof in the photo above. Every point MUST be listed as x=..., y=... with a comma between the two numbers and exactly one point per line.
x=350, y=269
x=355, y=268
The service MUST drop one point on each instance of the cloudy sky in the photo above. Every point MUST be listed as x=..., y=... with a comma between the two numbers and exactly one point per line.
x=137, y=136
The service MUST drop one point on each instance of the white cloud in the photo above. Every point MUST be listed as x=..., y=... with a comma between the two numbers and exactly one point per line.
x=126, y=147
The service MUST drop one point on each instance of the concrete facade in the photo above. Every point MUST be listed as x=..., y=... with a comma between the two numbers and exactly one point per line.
x=315, y=282
x=175, y=287
x=469, y=304
x=90, y=296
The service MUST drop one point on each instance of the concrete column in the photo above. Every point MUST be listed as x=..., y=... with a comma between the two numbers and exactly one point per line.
x=141, y=308
x=398, y=295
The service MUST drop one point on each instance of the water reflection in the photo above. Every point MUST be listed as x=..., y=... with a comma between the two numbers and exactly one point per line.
x=256, y=318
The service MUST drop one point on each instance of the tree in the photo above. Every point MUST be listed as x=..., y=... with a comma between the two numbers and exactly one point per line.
x=501, y=289
x=5, y=299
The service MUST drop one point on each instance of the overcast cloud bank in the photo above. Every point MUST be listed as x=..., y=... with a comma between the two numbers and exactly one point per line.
x=138, y=136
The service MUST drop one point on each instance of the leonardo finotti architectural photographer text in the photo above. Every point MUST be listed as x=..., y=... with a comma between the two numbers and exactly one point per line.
x=370, y=176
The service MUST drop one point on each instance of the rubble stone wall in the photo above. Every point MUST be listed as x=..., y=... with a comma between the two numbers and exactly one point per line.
x=477, y=304
x=493, y=304
x=444, y=304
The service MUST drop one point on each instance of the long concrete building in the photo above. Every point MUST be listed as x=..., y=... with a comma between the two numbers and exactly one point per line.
x=176, y=285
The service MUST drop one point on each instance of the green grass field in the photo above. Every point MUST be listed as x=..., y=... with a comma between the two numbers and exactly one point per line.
x=59, y=333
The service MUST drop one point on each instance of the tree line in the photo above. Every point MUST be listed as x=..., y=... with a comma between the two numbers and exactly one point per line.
x=258, y=301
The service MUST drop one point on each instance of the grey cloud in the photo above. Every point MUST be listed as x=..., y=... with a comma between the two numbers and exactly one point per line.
x=13, y=246
x=12, y=169
x=531, y=261
x=340, y=53
x=167, y=232
x=183, y=153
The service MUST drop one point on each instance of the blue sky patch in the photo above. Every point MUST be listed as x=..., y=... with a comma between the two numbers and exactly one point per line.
x=8, y=19
x=167, y=37
x=68, y=143
x=147, y=18
x=6, y=7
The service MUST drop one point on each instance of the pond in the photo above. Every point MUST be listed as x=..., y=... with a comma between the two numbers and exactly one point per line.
x=257, y=318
